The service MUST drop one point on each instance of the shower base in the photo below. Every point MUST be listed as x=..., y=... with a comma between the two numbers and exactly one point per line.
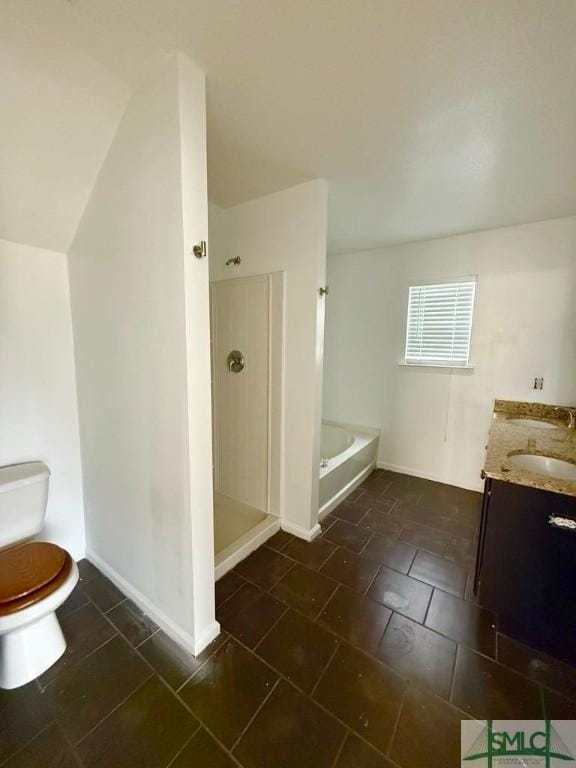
x=239, y=529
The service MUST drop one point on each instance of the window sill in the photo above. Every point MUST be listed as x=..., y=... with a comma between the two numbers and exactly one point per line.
x=437, y=366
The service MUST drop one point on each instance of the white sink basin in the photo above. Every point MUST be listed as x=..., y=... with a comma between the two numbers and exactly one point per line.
x=544, y=465
x=533, y=423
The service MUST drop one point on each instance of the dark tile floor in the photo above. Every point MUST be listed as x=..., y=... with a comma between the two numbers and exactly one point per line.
x=363, y=649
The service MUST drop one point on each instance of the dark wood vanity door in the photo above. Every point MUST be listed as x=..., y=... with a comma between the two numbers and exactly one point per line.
x=527, y=566
x=481, y=534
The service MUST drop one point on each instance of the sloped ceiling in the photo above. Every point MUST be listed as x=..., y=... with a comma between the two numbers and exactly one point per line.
x=60, y=107
x=427, y=117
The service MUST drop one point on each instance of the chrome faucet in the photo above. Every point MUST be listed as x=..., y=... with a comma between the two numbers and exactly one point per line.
x=571, y=414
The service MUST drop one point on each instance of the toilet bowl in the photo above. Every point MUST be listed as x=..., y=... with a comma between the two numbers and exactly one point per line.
x=35, y=578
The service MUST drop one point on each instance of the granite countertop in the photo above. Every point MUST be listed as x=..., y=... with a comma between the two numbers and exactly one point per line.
x=506, y=439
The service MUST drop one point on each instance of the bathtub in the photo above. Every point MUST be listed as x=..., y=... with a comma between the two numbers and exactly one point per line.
x=348, y=455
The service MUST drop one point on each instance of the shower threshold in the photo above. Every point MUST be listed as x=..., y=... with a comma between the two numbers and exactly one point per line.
x=239, y=529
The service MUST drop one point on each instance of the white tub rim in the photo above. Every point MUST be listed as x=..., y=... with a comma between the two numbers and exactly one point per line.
x=336, y=474
x=361, y=436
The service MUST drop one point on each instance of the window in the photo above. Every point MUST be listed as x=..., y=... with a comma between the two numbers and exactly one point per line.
x=439, y=324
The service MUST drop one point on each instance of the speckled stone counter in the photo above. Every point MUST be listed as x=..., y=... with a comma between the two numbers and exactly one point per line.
x=506, y=439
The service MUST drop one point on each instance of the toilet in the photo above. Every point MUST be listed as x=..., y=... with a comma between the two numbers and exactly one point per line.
x=35, y=578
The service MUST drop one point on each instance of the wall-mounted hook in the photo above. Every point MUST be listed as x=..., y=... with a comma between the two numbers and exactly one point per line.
x=199, y=250
x=324, y=290
x=236, y=261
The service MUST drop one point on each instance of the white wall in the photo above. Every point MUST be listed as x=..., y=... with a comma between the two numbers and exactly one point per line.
x=286, y=231
x=140, y=313
x=192, y=103
x=38, y=413
x=435, y=423
x=60, y=109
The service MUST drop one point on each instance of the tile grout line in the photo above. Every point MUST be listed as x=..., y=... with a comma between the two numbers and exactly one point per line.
x=199, y=720
x=78, y=661
x=145, y=639
x=368, y=540
x=71, y=744
x=293, y=562
x=334, y=763
x=273, y=586
x=299, y=610
x=202, y=665
x=176, y=694
x=154, y=671
x=453, y=680
x=111, y=712
x=346, y=587
x=267, y=542
x=541, y=685
x=372, y=580
x=397, y=721
x=318, y=703
x=74, y=610
x=453, y=673
x=335, y=588
x=202, y=725
x=219, y=605
x=364, y=652
x=425, y=619
x=323, y=608
x=268, y=589
x=27, y=744
x=312, y=571
x=116, y=605
x=235, y=592
x=255, y=715
x=323, y=563
x=321, y=675
x=270, y=629
x=330, y=556
x=499, y=663
x=417, y=550
x=335, y=634
x=183, y=747
x=124, y=635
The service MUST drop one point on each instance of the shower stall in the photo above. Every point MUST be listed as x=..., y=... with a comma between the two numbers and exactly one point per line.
x=246, y=335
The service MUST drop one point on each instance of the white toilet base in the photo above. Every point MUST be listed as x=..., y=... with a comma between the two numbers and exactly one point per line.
x=27, y=652
x=31, y=639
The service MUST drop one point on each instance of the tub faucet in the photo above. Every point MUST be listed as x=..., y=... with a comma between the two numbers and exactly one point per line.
x=571, y=415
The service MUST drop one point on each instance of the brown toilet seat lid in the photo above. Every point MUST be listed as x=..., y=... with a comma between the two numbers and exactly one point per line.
x=27, y=568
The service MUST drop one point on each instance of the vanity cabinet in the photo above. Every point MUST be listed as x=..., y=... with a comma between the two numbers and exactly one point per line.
x=526, y=566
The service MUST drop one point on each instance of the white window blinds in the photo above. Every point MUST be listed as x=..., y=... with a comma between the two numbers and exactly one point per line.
x=439, y=324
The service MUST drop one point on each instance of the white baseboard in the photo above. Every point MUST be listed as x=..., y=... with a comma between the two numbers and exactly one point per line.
x=479, y=486
x=194, y=645
x=207, y=636
x=308, y=534
x=345, y=492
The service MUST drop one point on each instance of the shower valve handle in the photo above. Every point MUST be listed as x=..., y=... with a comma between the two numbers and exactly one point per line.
x=235, y=361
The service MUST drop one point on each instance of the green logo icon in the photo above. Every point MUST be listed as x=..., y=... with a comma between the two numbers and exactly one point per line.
x=542, y=743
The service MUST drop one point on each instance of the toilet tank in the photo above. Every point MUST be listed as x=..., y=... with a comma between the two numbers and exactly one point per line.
x=23, y=497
